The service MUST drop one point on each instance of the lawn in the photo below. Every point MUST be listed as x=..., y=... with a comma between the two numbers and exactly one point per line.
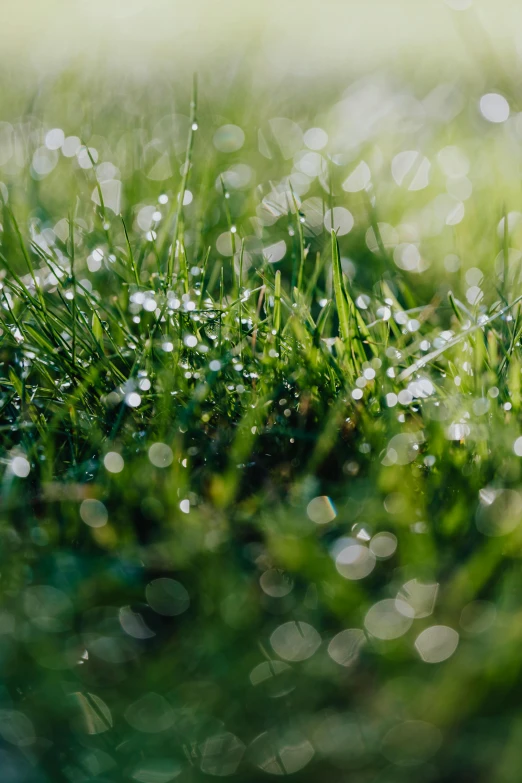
x=261, y=450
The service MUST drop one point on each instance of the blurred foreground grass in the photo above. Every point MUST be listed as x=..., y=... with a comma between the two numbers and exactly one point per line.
x=260, y=392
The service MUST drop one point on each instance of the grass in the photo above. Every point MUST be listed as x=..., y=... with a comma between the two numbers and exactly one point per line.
x=261, y=491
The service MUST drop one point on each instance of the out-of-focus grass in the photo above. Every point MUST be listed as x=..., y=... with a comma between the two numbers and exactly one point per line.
x=260, y=393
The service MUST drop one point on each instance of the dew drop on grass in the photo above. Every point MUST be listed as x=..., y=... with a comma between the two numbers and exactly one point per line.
x=321, y=510
x=133, y=399
x=276, y=583
x=113, y=462
x=359, y=179
x=346, y=646
x=167, y=597
x=315, y=138
x=420, y=596
x=341, y=220
x=389, y=619
x=355, y=561
x=20, y=467
x=494, y=107
x=437, y=643
x=295, y=641
x=221, y=754
x=275, y=252
x=54, y=139
x=93, y=513
x=44, y=161
x=275, y=678
x=70, y=146
x=160, y=455
x=281, y=753
x=229, y=138
x=133, y=624
x=411, y=170
x=383, y=545
x=86, y=156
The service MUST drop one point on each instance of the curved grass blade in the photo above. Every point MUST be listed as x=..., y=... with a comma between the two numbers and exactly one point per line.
x=343, y=309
